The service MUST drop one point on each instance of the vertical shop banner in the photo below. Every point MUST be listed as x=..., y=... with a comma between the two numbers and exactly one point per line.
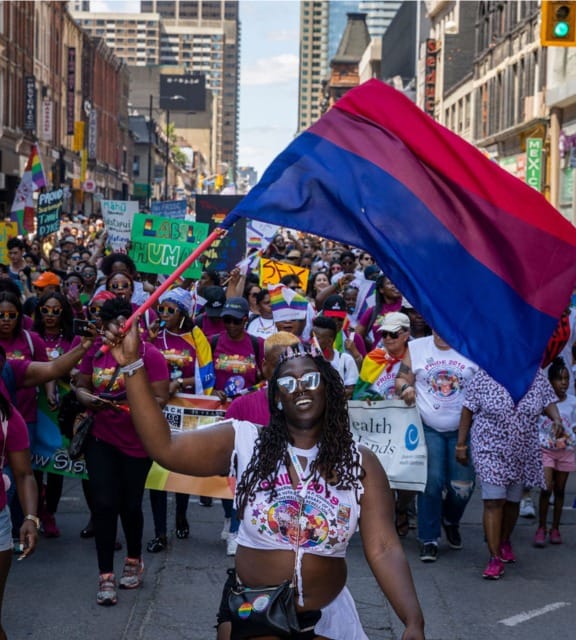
x=183, y=413
x=92, y=134
x=48, y=212
x=47, y=125
x=174, y=209
x=70, y=90
x=430, y=77
x=29, y=103
x=118, y=216
x=228, y=251
x=7, y=230
x=161, y=245
x=534, y=163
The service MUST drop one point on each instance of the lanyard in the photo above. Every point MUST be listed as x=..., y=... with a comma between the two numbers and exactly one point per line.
x=299, y=472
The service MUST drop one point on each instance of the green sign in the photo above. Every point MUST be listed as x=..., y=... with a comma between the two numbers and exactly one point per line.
x=141, y=190
x=534, y=162
x=160, y=245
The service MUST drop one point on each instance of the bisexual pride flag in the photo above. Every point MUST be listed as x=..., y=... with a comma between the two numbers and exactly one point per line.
x=483, y=257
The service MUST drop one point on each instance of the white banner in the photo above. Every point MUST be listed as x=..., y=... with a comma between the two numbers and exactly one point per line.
x=394, y=433
x=118, y=216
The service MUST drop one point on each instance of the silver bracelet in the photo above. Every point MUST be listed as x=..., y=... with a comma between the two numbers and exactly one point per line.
x=130, y=369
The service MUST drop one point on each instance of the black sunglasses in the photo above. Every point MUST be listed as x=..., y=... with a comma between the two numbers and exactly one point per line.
x=392, y=334
x=231, y=320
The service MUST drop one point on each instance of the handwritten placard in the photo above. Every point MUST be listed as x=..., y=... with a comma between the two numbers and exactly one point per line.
x=173, y=209
x=7, y=230
x=160, y=245
x=272, y=271
x=118, y=216
x=48, y=212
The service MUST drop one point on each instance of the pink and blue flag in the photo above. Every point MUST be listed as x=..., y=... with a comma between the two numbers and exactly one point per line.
x=484, y=257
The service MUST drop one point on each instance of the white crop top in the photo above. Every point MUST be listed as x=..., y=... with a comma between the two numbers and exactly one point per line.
x=327, y=524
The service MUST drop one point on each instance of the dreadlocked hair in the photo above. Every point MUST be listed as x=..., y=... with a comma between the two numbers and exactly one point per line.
x=338, y=459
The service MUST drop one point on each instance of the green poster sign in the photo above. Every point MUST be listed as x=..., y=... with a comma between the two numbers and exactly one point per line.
x=534, y=162
x=160, y=245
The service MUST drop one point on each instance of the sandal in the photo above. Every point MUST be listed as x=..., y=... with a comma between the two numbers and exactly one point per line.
x=402, y=524
x=182, y=529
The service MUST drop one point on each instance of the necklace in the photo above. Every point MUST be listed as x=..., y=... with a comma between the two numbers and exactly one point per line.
x=310, y=455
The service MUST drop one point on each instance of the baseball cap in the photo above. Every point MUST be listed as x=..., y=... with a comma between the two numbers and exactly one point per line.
x=68, y=239
x=393, y=321
x=236, y=308
x=215, y=298
x=47, y=278
x=371, y=272
x=334, y=307
x=294, y=254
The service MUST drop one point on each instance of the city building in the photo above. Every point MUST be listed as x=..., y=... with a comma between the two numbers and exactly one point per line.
x=198, y=35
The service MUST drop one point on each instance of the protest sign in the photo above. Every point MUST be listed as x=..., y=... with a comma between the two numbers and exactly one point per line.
x=173, y=209
x=225, y=252
x=48, y=212
x=7, y=230
x=160, y=245
x=393, y=431
x=271, y=272
x=185, y=412
x=118, y=216
x=259, y=234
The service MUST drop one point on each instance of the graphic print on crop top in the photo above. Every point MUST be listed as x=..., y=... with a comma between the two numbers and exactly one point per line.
x=324, y=525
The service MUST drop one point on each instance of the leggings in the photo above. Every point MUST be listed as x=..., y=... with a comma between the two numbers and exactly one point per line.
x=116, y=489
x=159, y=504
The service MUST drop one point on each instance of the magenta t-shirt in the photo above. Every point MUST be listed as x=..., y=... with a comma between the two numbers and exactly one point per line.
x=385, y=308
x=211, y=326
x=17, y=440
x=252, y=407
x=19, y=349
x=235, y=364
x=115, y=427
x=179, y=355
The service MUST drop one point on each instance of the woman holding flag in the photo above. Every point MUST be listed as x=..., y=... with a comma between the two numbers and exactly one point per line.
x=309, y=439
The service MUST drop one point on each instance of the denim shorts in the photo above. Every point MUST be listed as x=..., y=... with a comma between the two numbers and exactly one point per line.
x=5, y=530
x=511, y=493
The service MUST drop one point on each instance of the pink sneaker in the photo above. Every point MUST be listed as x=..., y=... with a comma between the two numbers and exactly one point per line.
x=506, y=553
x=540, y=538
x=49, y=526
x=494, y=570
x=555, y=537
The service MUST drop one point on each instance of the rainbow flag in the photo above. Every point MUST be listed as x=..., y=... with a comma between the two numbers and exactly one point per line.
x=33, y=178
x=485, y=259
x=34, y=165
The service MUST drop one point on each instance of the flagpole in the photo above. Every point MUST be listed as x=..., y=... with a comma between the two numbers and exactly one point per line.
x=219, y=231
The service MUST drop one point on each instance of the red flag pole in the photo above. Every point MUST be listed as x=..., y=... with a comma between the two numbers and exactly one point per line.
x=171, y=279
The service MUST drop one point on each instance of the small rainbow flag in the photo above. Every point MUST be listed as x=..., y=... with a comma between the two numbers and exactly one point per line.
x=287, y=304
x=34, y=165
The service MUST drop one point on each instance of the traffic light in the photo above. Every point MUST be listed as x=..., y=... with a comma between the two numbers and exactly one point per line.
x=558, y=24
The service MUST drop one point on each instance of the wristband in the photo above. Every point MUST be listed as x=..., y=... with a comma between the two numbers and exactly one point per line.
x=130, y=369
x=404, y=387
x=34, y=519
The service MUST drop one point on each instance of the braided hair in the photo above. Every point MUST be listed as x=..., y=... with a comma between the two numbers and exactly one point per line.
x=338, y=459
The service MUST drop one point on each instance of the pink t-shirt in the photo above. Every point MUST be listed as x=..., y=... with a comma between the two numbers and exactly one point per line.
x=179, y=355
x=211, y=326
x=384, y=309
x=17, y=440
x=235, y=364
x=19, y=349
x=252, y=407
x=115, y=427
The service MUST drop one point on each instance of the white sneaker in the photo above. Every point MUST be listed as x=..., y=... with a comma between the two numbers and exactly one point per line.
x=225, y=529
x=527, y=508
x=231, y=544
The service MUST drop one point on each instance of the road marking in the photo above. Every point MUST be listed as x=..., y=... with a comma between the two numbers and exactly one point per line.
x=528, y=615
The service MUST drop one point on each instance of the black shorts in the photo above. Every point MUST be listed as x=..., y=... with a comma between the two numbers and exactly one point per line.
x=305, y=618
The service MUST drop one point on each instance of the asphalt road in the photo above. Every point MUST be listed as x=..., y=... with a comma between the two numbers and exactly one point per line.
x=52, y=594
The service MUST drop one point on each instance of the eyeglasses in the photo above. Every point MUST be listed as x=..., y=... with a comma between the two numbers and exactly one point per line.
x=87, y=273
x=392, y=334
x=117, y=286
x=231, y=320
x=50, y=311
x=308, y=382
x=75, y=257
x=94, y=310
x=166, y=310
x=253, y=295
x=8, y=315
